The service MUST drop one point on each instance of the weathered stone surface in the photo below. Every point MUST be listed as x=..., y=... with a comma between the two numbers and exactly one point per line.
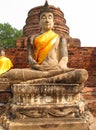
x=49, y=124
x=79, y=57
x=5, y=91
x=4, y=86
x=51, y=106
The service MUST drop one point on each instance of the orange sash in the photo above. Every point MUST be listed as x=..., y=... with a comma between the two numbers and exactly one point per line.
x=43, y=44
x=5, y=64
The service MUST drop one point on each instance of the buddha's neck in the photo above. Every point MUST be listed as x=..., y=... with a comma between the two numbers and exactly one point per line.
x=43, y=31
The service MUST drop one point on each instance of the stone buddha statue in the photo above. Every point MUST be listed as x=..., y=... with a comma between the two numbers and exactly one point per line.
x=47, y=57
x=5, y=63
x=48, y=89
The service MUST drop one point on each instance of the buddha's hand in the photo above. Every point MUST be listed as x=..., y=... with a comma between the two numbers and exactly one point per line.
x=48, y=68
x=44, y=67
x=65, y=68
x=33, y=64
x=36, y=66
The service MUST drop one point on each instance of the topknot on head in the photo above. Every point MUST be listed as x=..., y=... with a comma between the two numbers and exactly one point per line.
x=45, y=8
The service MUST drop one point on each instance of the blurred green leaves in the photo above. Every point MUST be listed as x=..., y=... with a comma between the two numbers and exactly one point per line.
x=9, y=35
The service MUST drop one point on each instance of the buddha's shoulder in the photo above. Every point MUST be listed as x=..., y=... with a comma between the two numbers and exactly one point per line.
x=32, y=38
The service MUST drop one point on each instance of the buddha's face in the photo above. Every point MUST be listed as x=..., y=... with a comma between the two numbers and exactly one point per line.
x=46, y=21
x=2, y=53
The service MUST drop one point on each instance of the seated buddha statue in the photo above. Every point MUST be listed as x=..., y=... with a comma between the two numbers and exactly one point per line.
x=47, y=56
x=5, y=63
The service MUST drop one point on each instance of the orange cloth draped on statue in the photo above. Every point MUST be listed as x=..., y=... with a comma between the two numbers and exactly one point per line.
x=43, y=44
x=5, y=64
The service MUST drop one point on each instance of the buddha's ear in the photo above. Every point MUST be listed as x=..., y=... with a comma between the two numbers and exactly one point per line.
x=53, y=24
x=40, y=25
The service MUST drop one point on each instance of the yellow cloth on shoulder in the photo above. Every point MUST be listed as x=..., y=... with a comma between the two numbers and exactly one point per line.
x=43, y=43
x=5, y=64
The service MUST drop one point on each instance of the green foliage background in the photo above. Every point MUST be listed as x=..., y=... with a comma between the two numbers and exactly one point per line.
x=8, y=35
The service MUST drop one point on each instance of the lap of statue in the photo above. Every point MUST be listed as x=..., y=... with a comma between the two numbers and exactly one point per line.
x=52, y=76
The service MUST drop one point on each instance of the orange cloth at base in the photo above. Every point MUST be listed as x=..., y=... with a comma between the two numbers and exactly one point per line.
x=43, y=43
x=5, y=64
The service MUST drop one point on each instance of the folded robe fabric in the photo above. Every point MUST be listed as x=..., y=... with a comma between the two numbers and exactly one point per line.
x=5, y=64
x=43, y=43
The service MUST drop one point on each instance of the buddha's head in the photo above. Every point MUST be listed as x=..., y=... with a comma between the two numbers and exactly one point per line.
x=46, y=18
x=2, y=52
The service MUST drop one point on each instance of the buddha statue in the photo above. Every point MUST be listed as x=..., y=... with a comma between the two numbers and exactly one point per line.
x=5, y=63
x=47, y=57
x=49, y=92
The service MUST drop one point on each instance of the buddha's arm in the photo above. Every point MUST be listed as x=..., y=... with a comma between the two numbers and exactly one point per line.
x=30, y=51
x=63, y=54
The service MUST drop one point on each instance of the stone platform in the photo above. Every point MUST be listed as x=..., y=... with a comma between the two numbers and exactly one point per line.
x=46, y=106
x=46, y=123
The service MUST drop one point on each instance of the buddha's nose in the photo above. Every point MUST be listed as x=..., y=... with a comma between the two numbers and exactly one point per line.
x=47, y=20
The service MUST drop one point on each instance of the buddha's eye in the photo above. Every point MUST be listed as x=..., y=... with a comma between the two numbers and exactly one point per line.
x=50, y=17
x=43, y=17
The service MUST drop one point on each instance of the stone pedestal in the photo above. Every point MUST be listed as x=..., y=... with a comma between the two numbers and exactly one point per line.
x=46, y=123
x=46, y=106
